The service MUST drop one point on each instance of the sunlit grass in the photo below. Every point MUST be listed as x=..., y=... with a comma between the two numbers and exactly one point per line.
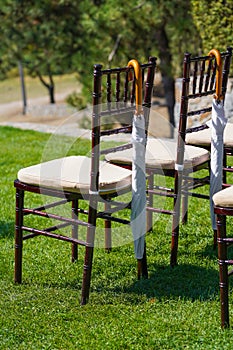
x=175, y=308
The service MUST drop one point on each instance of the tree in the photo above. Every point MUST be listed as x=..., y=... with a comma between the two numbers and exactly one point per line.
x=122, y=30
x=42, y=35
x=55, y=36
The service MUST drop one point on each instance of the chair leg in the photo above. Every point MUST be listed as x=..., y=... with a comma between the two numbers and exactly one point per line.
x=223, y=270
x=224, y=178
x=91, y=228
x=139, y=268
x=215, y=239
x=185, y=210
x=87, y=275
x=174, y=246
x=185, y=203
x=149, y=215
x=108, y=236
x=176, y=219
x=19, y=235
x=142, y=266
x=74, y=248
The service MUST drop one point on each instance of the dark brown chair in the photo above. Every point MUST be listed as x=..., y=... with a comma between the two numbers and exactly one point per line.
x=202, y=138
x=77, y=179
x=175, y=159
x=223, y=208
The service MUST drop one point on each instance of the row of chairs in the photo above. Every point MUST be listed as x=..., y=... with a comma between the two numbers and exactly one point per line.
x=174, y=158
x=116, y=95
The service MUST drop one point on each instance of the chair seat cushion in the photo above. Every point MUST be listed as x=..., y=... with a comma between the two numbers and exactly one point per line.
x=161, y=153
x=73, y=174
x=203, y=137
x=224, y=198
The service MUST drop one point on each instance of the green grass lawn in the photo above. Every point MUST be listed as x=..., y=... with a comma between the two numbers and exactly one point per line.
x=175, y=308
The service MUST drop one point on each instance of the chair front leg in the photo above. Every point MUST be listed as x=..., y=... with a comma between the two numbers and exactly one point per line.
x=223, y=269
x=142, y=266
x=107, y=228
x=18, y=235
x=185, y=201
x=176, y=218
x=149, y=213
x=87, y=268
x=87, y=275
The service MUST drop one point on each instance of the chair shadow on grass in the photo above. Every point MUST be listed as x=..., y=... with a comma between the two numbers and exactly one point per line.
x=7, y=229
x=189, y=281
x=184, y=281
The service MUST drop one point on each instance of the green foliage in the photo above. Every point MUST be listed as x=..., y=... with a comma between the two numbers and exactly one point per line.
x=117, y=31
x=39, y=33
x=53, y=37
x=56, y=37
x=214, y=21
x=77, y=100
x=41, y=36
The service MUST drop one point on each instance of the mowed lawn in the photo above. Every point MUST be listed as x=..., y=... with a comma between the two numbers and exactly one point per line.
x=175, y=308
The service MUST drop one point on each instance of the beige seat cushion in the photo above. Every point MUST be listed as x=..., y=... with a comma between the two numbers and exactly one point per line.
x=73, y=174
x=203, y=137
x=162, y=154
x=224, y=198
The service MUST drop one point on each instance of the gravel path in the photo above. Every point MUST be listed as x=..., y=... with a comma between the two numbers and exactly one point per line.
x=41, y=116
x=61, y=119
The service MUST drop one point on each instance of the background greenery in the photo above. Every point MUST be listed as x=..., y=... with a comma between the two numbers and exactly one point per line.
x=63, y=36
x=175, y=308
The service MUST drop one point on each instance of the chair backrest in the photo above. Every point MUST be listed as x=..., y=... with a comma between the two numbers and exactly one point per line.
x=198, y=86
x=114, y=103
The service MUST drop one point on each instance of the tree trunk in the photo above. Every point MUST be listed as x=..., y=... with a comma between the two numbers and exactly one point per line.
x=166, y=72
x=169, y=88
x=51, y=94
x=50, y=86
